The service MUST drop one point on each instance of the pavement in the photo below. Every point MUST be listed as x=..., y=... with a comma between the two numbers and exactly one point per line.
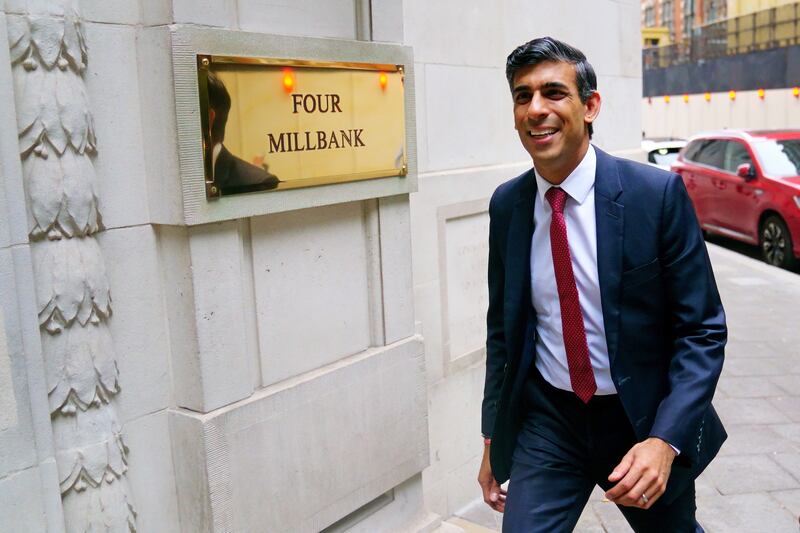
x=753, y=485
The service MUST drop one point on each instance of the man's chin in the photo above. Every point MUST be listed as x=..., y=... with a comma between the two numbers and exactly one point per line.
x=544, y=155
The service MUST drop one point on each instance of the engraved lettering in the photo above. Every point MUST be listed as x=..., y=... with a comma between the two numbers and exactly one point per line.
x=293, y=141
x=308, y=142
x=296, y=143
x=333, y=141
x=276, y=146
x=322, y=141
x=313, y=106
x=346, y=137
x=311, y=103
x=296, y=101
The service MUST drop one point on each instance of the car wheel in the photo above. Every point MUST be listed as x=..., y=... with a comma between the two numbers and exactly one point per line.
x=776, y=243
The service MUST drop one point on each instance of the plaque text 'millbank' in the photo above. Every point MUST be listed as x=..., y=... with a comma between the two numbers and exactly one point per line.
x=294, y=141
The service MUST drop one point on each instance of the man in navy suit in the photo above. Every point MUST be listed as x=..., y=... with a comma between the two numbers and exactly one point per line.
x=606, y=333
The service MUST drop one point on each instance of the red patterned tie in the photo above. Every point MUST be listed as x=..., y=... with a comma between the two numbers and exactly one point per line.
x=580, y=368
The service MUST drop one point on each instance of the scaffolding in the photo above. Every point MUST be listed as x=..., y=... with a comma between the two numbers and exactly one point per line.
x=763, y=30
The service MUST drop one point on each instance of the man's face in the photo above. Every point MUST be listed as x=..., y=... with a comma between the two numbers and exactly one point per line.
x=550, y=118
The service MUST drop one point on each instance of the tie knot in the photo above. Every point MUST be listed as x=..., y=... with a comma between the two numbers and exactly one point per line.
x=557, y=198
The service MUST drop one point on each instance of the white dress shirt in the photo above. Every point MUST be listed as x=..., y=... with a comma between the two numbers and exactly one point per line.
x=579, y=213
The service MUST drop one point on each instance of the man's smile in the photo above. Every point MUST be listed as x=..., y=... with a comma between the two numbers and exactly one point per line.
x=542, y=133
x=542, y=136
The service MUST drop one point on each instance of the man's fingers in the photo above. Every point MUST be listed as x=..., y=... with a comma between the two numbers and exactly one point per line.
x=622, y=468
x=652, y=497
x=494, y=496
x=499, y=504
x=624, y=486
x=633, y=498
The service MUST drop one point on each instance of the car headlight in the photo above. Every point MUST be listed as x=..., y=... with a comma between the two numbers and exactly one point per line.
x=797, y=201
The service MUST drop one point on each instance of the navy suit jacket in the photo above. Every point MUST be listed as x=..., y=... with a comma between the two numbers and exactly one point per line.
x=664, y=321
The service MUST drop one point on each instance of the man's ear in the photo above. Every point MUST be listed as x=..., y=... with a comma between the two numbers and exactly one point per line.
x=211, y=116
x=592, y=107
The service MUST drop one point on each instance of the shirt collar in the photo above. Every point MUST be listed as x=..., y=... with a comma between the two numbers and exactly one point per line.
x=578, y=183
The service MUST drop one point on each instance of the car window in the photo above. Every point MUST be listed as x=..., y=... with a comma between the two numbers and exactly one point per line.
x=779, y=158
x=735, y=154
x=712, y=153
x=693, y=148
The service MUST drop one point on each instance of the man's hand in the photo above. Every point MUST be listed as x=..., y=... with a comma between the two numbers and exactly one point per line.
x=493, y=494
x=644, y=470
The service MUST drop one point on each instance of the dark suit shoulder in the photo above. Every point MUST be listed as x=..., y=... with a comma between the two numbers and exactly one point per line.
x=507, y=193
x=639, y=177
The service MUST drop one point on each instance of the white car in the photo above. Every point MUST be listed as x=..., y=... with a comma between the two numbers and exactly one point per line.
x=662, y=153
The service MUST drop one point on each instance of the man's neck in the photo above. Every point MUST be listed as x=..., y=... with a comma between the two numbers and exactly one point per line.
x=557, y=174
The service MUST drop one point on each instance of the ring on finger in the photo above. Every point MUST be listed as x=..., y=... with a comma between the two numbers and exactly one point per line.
x=645, y=499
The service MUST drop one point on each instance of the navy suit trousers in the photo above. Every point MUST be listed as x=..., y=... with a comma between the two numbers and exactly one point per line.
x=565, y=448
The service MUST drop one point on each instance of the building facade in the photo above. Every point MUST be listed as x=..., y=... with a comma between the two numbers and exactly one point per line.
x=315, y=364
x=739, y=72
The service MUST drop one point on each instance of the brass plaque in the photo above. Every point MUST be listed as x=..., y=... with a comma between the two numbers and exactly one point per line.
x=274, y=124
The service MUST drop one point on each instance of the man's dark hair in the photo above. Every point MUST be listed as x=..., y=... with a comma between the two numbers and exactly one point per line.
x=548, y=49
x=220, y=101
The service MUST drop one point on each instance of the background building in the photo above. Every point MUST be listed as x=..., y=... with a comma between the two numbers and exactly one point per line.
x=308, y=369
x=740, y=71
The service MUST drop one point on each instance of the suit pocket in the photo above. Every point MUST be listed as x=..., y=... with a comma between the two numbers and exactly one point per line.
x=641, y=274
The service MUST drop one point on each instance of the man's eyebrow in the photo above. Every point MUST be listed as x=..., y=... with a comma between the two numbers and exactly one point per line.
x=555, y=85
x=547, y=85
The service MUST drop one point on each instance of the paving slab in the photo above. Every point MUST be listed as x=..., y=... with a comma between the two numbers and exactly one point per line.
x=790, y=384
x=751, y=349
x=745, y=513
x=790, y=462
x=737, y=474
x=749, y=387
x=752, y=366
x=788, y=431
x=789, y=500
x=610, y=517
x=788, y=405
x=748, y=439
x=749, y=411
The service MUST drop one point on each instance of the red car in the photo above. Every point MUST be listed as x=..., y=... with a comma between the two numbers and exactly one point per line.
x=746, y=185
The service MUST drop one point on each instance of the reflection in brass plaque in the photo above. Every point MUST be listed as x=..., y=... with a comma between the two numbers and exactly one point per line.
x=273, y=124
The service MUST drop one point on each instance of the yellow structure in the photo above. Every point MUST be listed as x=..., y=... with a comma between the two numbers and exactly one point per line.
x=761, y=24
x=745, y=7
x=658, y=36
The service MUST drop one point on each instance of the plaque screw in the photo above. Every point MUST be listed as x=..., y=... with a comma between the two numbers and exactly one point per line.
x=205, y=62
x=213, y=189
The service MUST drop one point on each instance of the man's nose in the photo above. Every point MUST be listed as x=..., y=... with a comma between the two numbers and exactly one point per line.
x=537, y=108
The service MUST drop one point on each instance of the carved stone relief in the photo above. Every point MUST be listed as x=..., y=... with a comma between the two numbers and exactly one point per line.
x=57, y=143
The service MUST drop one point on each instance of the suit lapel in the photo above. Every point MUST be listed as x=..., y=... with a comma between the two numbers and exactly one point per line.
x=518, y=253
x=609, y=215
